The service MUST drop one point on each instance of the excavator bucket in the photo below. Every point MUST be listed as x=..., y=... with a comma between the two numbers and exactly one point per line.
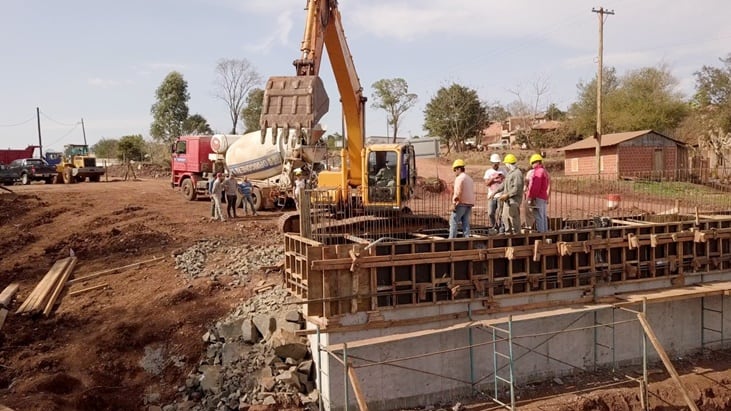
x=292, y=102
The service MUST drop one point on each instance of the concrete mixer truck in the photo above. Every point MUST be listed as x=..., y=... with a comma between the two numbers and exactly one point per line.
x=268, y=166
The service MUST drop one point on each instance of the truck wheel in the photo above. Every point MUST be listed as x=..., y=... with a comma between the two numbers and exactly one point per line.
x=24, y=179
x=68, y=176
x=258, y=199
x=49, y=180
x=94, y=179
x=188, y=190
x=59, y=178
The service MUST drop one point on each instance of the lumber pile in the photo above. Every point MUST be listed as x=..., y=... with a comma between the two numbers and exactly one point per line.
x=44, y=295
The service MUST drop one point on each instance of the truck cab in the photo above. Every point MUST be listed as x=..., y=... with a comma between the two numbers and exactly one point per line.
x=191, y=166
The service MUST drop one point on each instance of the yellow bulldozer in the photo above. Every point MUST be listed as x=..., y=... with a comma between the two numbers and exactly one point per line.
x=77, y=165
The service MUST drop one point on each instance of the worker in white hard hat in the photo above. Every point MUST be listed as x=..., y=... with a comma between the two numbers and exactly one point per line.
x=494, y=177
x=299, y=186
x=463, y=199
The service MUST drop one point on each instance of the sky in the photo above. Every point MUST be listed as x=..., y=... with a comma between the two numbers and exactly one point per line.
x=101, y=61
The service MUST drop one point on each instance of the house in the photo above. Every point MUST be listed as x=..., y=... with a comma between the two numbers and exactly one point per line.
x=642, y=153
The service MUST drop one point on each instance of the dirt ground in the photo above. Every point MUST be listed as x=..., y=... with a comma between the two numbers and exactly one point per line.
x=87, y=355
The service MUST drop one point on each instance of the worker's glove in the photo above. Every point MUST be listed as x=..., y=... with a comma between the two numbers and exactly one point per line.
x=504, y=197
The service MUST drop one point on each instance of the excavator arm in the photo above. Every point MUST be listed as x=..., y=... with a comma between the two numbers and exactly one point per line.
x=300, y=101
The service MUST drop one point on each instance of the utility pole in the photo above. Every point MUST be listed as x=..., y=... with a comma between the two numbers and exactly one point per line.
x=598, y=134
x=40, y=141
x=83, y=130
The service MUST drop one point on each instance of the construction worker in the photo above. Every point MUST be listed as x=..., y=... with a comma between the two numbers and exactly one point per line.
x=539, y=186
x=494, y=177
x=512, y=195
x=299, y=186
x=463, y=199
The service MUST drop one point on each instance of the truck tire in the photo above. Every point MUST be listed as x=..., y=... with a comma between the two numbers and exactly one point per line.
x=49, y=180
x=188, y=190
x=258, y=199
x=94, y=179
x=25, y=179
x=68, y=176
x=59, y=178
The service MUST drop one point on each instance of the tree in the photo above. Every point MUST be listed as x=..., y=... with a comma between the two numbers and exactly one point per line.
x=392, y=95
x=455, y=114
x=554, y=113
x=252, y=111
x=171, y=108
x=234, y=80
x=497, y=112
x=641, y=99
x=712, y=103
x=196, y=124
x=105, y=148
x=131, y=148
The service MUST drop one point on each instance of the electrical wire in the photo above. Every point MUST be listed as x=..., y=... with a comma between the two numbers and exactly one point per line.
x=75, y=126
x=56, y=121
x=18, y=124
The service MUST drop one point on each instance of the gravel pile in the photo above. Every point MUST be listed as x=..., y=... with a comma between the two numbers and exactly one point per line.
x=218, y=258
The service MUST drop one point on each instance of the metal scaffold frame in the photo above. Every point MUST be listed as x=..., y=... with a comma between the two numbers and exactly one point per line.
x=502, y=342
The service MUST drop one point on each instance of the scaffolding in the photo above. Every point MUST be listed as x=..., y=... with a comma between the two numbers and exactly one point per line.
x=503, y=341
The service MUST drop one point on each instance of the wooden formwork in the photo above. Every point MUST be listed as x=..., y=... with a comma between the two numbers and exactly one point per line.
x=362, y=275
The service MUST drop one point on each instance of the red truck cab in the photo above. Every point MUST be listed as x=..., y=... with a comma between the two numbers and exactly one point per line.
x=191, y=166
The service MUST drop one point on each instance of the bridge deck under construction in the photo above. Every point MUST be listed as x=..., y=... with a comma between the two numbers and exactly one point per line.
x=351, y=274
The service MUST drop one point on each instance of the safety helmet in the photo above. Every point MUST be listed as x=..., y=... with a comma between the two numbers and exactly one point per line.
x=495, y=158
x=457, y=163
x=535, y=157
x=297, y=171
x=510, y=159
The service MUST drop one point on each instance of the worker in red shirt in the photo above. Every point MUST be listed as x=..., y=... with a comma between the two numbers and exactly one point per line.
x=539, y=188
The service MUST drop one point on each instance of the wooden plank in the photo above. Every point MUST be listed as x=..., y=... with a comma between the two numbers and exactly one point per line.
x=60, y=284
x=6, y=297
x=113, y=270
x=83, y=290
x=3, y=316
x=32, y=302
x=359, y=396
x=666, y=360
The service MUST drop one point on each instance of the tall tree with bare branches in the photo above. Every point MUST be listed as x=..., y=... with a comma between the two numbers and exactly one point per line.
x=234, y=80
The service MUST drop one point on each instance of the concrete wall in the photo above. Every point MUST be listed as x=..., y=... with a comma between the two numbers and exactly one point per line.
x=428, y=379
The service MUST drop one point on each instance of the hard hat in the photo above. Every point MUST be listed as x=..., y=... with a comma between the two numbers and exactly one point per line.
x=495, y=158
x=457, y=163
x=510, y=159
x=297, y=171
x=535, y=157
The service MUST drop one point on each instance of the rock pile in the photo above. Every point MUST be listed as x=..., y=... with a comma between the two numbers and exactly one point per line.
x=253, y=357
x=217, y=257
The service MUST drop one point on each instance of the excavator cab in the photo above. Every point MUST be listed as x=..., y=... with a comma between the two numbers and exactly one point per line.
x=390, y=175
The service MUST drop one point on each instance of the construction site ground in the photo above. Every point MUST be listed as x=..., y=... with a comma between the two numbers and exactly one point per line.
x=87, y=354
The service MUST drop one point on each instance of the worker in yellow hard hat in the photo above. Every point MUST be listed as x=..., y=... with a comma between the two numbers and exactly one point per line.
x=537, y=192
x=463, y=199
x=512, y=195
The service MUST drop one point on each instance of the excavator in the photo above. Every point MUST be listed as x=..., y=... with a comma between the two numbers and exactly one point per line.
x=372, y=179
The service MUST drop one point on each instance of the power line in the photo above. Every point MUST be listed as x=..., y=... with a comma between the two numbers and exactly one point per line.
x=58, y=122
x=19, y=124
x=75, y=126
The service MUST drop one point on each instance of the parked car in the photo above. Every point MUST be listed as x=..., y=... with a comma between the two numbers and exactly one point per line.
x=8, y=177
x=33, y=169
x=501, y=145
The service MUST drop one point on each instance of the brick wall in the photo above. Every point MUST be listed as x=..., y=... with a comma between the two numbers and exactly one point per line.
x=635, y=160
x=586, y=160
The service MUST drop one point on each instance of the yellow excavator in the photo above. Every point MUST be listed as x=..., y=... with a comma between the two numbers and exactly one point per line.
x=372, y=178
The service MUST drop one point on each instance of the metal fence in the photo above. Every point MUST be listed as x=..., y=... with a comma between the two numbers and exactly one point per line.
x=574, y=202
